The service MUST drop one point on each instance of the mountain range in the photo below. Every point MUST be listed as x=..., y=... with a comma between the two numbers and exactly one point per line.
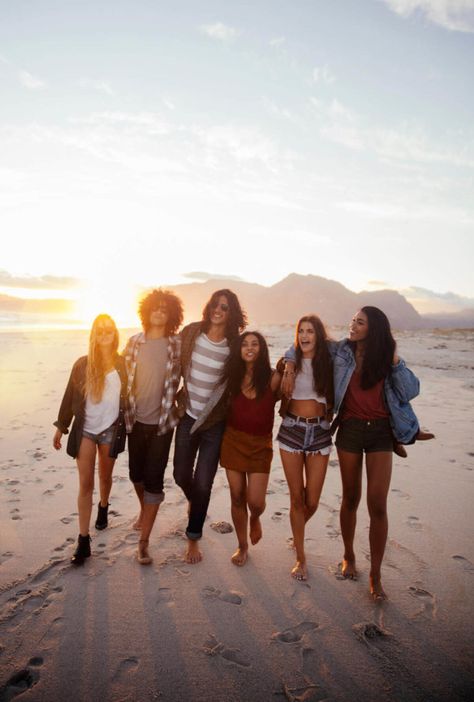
x=282, y=303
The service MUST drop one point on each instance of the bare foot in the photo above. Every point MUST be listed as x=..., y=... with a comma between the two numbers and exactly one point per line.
x=143, y=557
x=239, y=558
x=255, y=530
x=377, y=592
x=299, y=571
x=192, y=554
x=137, y=524
x=348, y=569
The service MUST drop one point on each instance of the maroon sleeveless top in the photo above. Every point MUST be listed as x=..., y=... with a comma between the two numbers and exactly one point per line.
x=364, y=404
x=251, y=415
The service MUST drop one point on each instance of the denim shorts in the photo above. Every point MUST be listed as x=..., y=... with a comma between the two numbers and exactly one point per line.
x=299, y=436
x=369, y=435
x=105, y=437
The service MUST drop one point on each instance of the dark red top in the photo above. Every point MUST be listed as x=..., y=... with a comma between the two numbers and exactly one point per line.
x=251, y=415
x=364, y=404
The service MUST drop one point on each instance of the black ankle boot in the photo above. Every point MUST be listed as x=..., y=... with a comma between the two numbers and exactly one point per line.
x=101, y=522
x=82, y=551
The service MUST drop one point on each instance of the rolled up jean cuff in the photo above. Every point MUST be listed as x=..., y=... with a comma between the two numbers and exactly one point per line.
x=153, y=498
x=192, y=536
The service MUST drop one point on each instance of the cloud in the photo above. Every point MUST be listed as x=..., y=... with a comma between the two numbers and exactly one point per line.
x=99, y=85
x=277, y=41
x=29, y=81
x=219, y=31
x=201, y=275
x=429, y=301
x=322, y=74
x=455, y=15
x=44, y=282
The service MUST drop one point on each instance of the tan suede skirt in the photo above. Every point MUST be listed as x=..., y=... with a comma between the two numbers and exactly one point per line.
x=246, y=453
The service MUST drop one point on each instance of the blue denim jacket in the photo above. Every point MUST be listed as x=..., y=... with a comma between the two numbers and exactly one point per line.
x=400, y=387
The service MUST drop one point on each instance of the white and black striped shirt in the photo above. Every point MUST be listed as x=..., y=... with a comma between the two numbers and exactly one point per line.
x=207, y=361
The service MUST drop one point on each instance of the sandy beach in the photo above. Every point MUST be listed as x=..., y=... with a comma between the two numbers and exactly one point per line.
x=115, y=630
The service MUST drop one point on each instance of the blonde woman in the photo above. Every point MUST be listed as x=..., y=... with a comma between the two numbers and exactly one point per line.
x=95, y=396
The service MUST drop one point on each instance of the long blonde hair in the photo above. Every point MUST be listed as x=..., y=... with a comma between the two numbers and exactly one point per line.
x=95, y=372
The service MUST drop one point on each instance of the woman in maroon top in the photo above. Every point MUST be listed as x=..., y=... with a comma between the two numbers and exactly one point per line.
x=246, y=451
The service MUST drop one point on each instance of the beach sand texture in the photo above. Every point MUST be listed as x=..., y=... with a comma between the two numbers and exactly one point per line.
x=115, y=630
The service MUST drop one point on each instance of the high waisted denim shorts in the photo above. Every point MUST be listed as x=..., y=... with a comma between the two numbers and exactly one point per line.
x=299, y=436
x=105, y=437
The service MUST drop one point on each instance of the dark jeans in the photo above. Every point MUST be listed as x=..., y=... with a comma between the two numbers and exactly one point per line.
x=147, y=458
x=196, y=482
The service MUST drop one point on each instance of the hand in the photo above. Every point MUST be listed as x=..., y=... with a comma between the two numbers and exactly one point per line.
x=57, y=439
x=288, y=380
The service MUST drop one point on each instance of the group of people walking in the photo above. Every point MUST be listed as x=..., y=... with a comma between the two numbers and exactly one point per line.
x=214, y=384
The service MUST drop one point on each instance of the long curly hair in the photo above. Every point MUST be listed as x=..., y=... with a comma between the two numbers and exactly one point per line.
x=237, y=320
x=173, y=304
x=234, y=367
x=379, y=348
x=95, y=370
x=321, y=362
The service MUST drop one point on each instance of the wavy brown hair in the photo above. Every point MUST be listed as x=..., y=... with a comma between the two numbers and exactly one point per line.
x=234, y=369
x=173, y=304
x=321, y=362
x=237, y=320
x=95, y=370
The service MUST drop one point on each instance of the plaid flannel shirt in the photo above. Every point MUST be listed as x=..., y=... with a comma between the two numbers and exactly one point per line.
x=168, y=415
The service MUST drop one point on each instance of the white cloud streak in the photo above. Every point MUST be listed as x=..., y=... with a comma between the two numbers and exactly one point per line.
x=323, y=74
x=29, y=81
x=455, y=15
x=219, y=31
x=100, y=86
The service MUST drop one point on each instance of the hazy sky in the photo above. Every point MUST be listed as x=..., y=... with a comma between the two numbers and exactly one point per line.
x=141, y=140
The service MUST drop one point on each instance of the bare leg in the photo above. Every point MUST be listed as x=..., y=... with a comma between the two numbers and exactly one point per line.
x=293, y=467
x=106, y=466
x=85, y=465
x=379, y=472
x=256, y=491
x=139, y=489
x=238, y=495
x=149, y=513
x=351, y=475
x=315, y=470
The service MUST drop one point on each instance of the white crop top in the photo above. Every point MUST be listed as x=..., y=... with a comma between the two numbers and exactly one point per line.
x=101, y=415
x=304, y=389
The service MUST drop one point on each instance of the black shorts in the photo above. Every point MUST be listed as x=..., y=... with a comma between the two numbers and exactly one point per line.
x=148, y=455
x=369, y=435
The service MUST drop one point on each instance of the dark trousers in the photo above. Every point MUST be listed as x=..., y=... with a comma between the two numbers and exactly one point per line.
x=196, y=481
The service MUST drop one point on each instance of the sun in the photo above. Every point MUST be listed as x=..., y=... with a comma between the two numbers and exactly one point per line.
x=116, y=298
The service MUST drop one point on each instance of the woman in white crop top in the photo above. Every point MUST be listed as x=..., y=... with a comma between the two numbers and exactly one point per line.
x=95, y=397
x=304, y=437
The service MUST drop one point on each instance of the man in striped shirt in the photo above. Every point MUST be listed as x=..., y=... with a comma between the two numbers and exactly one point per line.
x=202, y=404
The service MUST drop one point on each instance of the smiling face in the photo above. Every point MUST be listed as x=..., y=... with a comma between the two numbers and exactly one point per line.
x=159, y=315
x=250, y=348
x=105, y=334
x=359, y=327
x=219, y=311
x=307, y=339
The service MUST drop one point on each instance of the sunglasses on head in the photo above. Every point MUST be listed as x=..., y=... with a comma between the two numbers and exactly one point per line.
x=222, y=305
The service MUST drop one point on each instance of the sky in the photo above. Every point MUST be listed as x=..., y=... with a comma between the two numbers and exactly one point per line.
x=147, y=143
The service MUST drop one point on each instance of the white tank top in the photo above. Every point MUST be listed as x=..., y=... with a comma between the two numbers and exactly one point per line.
x=304, y=389
x=101, y=415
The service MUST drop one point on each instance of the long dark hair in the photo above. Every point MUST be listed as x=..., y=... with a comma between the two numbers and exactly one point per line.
x=379, y=348
x=321, y=362
x=237, y=320
x=234, y=368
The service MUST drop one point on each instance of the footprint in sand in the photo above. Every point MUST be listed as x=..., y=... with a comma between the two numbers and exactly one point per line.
x=165, y=595
x=400, y=493
x=231, y=597
x=426, y=598
x=369, y=631
x=276, y=516
x=18, y=683
x=15, y=513
x=66, y=520
x=213, y=647
x=294, y=634
x=414, y=523
x=465, y=563
x=222, y=527
x=126, y=666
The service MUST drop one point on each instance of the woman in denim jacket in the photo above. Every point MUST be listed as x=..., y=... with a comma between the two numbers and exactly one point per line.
x=372, y=392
